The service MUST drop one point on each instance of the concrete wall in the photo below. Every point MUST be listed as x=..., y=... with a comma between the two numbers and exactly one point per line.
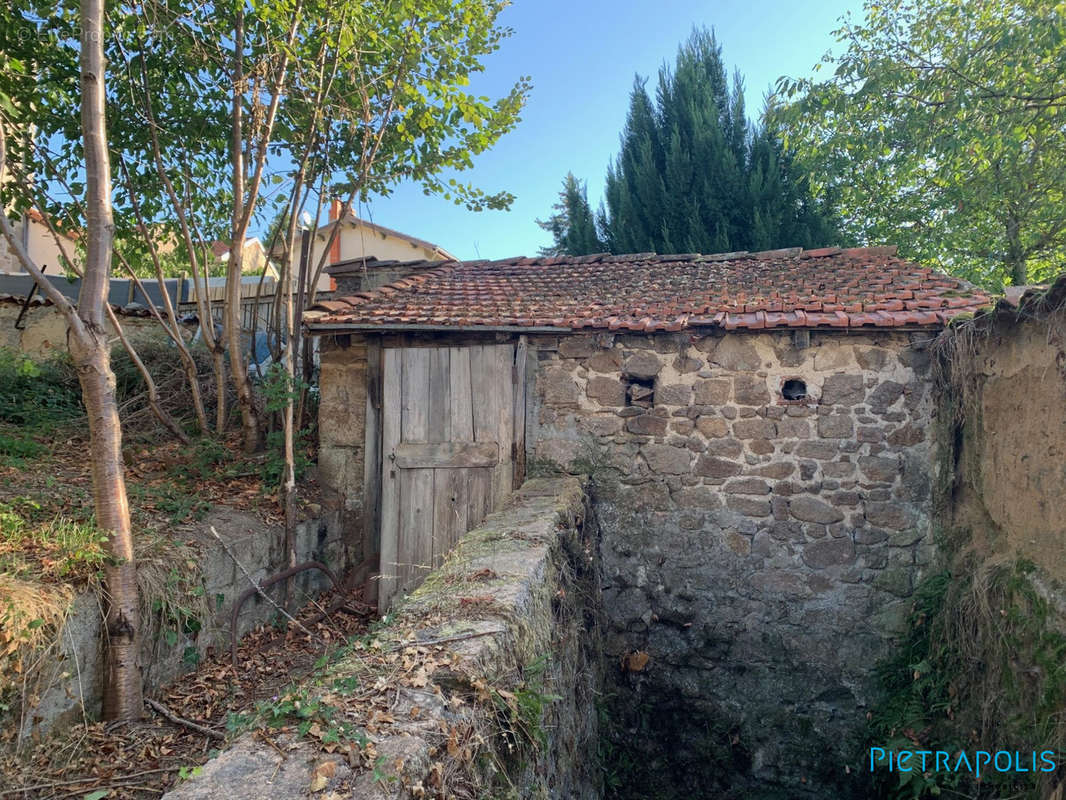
x=73, y=678
x=758, y=551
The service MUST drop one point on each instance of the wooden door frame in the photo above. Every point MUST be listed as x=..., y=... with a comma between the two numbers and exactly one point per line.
x=522, y=370
x=372, y=465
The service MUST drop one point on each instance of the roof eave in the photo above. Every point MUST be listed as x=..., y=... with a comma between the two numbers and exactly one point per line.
x=326, y=329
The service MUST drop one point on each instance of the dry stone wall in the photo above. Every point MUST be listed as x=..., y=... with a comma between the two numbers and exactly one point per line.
x=43, y=330
x=758, y=549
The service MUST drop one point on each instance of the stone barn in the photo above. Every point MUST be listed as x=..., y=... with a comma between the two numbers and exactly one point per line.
x=761, y=437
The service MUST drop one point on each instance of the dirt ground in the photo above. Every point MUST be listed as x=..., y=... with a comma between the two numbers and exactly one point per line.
x=145, y=758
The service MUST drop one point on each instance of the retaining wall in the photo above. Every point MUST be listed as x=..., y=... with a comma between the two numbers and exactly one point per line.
x=71, y=682
x=1007, y=393
x=511, y=620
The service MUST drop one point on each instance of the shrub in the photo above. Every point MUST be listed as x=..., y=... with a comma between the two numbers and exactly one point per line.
x=982, y=666
x=40, y=394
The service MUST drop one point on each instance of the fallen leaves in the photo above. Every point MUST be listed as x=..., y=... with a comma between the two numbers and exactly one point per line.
x=321, y=775
x=144, y=758
x=635, y=661
x=477, y=601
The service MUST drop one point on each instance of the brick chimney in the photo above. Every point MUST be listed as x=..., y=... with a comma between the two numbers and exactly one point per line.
x=334, y=215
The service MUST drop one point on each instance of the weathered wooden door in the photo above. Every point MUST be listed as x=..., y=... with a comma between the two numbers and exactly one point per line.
x=449, y=422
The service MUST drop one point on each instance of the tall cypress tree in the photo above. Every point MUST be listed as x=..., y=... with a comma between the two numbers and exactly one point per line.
x=693, y=175
x=572, y=226
x=635, y=189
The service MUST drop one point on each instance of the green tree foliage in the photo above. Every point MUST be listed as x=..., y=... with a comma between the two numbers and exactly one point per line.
x=943, y=128
x=372, y=93
x=220, y=116
x=694, y=175
x=572, y=226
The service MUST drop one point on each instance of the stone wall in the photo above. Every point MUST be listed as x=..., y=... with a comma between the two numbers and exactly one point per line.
x=44, y=330
x=512, y=613
x=758, y=550
x=342, y=414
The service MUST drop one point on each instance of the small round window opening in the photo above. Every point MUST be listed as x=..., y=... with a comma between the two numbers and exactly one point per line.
x=794, y=389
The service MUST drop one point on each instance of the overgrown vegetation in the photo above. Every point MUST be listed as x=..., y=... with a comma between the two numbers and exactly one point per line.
x=37, y=393
x=32, y=544
x=50, y=545
x=519, y=710
x=982, y=667
x=41, y=398
x=278, y=389
x=40, y=403
x=36, y=398
x=163, y=361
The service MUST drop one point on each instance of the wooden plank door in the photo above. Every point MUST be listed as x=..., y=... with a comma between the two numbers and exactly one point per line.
x=448, y=428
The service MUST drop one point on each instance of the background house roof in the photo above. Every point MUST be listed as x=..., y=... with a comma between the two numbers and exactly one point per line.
x=357, y=266
x=793, y=288
x=323, y=232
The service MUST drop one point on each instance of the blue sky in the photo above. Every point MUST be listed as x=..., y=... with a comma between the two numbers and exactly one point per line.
x=582, y=56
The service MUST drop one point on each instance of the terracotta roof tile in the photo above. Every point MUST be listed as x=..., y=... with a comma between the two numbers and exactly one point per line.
x=787, y=288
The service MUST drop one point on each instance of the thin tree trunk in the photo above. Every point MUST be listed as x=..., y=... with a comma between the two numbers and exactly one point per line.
x=122, y=688
x=232, y=309
x=88, y=347
x=149, y=382
x=170, y=324
x=203, y=303
x=245, y=197
x=289, y=478
x=87, y=340
x=1016, y=264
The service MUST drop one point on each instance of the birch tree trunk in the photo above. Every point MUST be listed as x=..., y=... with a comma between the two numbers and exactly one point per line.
x=88, y=347
x=235, y=267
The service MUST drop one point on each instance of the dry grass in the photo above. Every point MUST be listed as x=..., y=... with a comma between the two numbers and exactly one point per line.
x=954, y=365
x=30, y=614
x=172, y=594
